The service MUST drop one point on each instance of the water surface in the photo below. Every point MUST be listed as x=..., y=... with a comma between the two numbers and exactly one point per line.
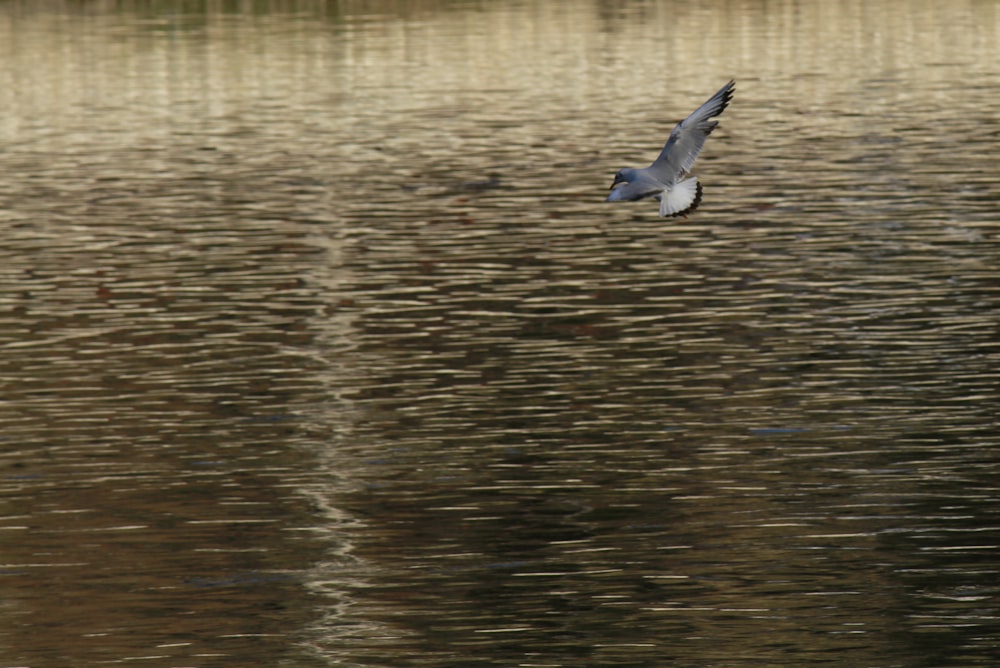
x=322, y=348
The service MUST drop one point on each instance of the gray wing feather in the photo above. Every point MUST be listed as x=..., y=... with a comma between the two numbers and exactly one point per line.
x=688, y=138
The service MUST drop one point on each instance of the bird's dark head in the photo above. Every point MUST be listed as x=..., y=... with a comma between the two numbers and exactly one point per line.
x=622, y=176
x=621, y=188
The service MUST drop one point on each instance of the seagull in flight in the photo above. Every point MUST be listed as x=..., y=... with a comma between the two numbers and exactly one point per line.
x=667, y=178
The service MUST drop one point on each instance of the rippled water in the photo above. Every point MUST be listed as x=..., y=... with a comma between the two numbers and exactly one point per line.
x=322, y=348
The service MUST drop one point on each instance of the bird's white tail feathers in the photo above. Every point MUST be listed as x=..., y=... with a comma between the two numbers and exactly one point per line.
x=682, y=199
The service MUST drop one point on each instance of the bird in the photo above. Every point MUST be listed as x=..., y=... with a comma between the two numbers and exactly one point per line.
x=668, y=178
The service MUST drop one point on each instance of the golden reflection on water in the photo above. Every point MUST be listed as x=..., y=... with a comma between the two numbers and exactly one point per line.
x=318, y=332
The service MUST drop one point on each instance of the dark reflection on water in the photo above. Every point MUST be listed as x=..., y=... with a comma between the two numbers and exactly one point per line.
x=321, y=348
x=624, y=446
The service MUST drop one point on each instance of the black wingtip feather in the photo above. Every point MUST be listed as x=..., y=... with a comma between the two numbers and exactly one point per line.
x=727, y=97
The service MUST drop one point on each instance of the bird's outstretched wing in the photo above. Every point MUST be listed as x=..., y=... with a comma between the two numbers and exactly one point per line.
x=688, y=138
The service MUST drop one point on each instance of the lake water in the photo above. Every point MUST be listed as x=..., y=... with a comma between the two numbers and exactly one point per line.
x=321, y=347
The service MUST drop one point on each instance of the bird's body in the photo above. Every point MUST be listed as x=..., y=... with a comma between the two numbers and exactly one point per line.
x=667, y=179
